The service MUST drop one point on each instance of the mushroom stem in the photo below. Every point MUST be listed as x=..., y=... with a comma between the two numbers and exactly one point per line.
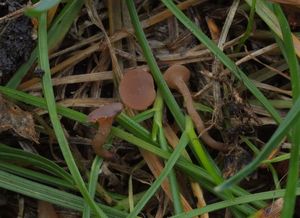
x=183, y=89
x=104, y=116
x=100, y=139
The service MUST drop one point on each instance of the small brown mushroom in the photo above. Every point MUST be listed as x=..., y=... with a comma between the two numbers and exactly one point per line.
x=104, y=116
x=176, y=77
x=137, y=89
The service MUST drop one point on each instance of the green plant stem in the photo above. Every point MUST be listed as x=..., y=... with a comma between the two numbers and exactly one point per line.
x=291, y=58
x=249, y=27
x=39, y=162
x=43, y=5
x=158, y=130
x=36, y=176
x=240, y=200
x=256, y=152
x=51, y=105
x=93, y=179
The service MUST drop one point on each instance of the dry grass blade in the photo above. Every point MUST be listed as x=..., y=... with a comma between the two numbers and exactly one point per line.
x=68, y=63
x=197, y=191
x=98, y=76
x=93, y=14
x=156, y=168
x=269, y=17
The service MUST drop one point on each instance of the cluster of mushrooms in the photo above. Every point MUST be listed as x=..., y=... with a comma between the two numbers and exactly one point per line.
x=137, y=91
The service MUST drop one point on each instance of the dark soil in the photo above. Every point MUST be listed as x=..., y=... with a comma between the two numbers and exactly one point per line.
x=16, y=40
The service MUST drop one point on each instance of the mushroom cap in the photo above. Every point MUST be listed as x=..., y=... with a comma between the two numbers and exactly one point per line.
x=137, y=89
x=176, y=73
x=108, y=111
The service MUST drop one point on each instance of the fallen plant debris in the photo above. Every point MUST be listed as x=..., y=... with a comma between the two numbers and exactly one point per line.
x=17, y=120
x=271, y=211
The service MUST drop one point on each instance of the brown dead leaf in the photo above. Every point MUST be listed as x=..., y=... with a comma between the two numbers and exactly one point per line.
x=271, y=211
x=46, y=210
x=14, y=118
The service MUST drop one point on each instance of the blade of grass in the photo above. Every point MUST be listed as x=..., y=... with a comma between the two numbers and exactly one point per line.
x=278, y=158
x=93, y=179
x=42, y=6
x=249, y=27
x=291, y=58
x=240, y=200
x=57, y=31
x=41, y=103
x=8, y=153
x=36, y=176
x=49, y=194
x=271, y=168
x=157, y=132
x=167, y=169
x=50, y=100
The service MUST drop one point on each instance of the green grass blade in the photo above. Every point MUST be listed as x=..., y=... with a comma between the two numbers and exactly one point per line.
x=167, y=169
x=144, y=115
x=8, y=153
x=249, y=27
x=49, y=194
x=93, y=179
x=240, y=200
x=33, y=175
x=291, y=58
x=41, y=103
x=267, y=15
x=133, y=127
x=158, y=132
x=42, y=6
x=51, y=105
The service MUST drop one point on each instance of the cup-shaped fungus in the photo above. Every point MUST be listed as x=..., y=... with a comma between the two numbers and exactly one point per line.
x=137, y=89
x=176, y=77
x=104, y=116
